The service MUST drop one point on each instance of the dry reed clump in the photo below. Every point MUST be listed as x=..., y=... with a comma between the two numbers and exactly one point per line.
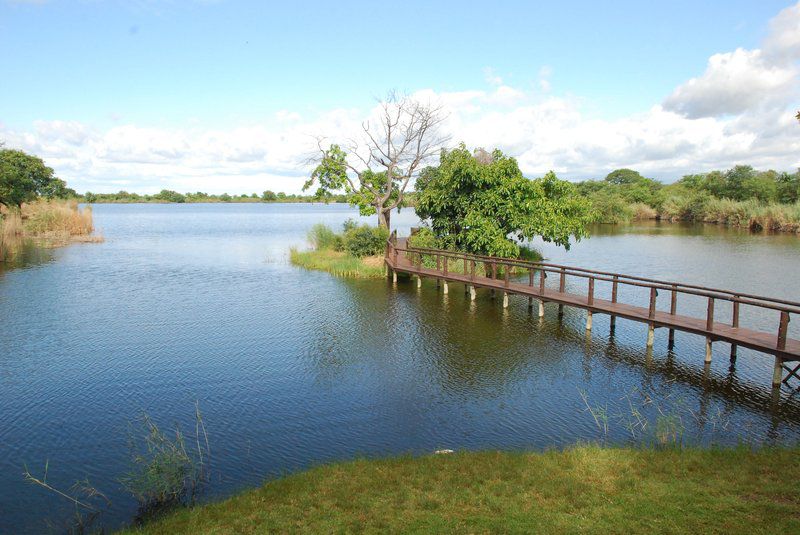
x=643, y=211
x=51, y=223
x=56, y=223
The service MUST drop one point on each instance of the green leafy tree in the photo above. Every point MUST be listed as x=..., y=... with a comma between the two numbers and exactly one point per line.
x=484, y=205
x=269, y=196
x=170, y=196
x=375, y=172
x=24, y=177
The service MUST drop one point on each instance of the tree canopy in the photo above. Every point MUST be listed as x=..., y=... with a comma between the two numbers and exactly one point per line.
x=23, y=177
x=482, y=204
x=375, y=172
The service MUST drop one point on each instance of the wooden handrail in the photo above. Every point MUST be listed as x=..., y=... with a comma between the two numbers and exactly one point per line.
x=618, y=278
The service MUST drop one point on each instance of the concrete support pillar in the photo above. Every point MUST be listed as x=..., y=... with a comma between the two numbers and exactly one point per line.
x=777, y=372
x=419, y=281
x=589, y=320
x=472, y=293
x=445, y=289
x=733, y=353
x=612, y=323
x=671, y=342
x=651, y=335
x=438, y=282
x=541, y=309
x=560, y=311
x=530, y=303
x=505, y=300
x=394, y=277
x=708, y=349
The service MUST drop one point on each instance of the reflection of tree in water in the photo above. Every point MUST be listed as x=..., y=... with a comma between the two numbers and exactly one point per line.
x=477, y=347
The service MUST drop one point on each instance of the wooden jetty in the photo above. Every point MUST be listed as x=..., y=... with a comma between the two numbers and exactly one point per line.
x=494, y=273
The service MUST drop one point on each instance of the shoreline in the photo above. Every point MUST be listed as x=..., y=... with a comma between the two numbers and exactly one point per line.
x=581, y=488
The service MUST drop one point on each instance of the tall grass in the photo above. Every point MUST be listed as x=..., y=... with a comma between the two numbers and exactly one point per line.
x=338, y=263
x=49, y=223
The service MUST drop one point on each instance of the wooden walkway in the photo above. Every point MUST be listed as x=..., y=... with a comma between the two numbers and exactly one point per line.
x=476, y=271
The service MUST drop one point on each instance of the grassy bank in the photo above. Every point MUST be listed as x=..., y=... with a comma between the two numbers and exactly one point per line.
x=339, y=263
x=583, y=489
x=356, y=252
x=48, y=223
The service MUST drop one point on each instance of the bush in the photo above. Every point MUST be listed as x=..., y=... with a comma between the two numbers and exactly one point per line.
x=322, y=237
x=365, y=240
x=424, y=238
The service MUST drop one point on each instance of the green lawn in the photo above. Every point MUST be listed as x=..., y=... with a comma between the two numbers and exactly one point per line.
x=579, y=490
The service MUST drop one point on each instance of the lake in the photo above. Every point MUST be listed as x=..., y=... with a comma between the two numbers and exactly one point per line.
x=186, y=303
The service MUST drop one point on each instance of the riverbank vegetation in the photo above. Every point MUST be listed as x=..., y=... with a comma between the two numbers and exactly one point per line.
x=171, y=196
x=355, y=252
x=581, y=489
x=35, y=205
x=739, y=197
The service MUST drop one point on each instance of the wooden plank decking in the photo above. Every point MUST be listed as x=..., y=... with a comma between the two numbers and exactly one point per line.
x=400, y=258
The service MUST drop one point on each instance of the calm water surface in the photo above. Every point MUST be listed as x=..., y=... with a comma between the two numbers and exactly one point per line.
x=293, y=368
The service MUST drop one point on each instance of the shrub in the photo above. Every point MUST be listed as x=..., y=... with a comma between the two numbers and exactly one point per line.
x=424, y=238
x=365, y=240
x=610, y=208
x=322, y=237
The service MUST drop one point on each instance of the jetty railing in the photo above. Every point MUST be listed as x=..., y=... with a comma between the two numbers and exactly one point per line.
x=466, y=267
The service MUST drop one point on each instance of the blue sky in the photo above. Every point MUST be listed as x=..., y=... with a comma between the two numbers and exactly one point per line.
x=223, y=65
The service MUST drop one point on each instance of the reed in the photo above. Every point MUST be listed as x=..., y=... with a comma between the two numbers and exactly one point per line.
x=50, y=223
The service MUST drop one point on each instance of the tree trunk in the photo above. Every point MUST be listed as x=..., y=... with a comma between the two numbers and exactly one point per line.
x=384, y=218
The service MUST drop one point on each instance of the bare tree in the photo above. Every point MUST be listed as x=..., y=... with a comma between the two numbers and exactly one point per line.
x=375, y=171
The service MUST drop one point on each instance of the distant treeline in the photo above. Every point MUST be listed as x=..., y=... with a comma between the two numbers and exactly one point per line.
x=741, y=196
x=170, y=196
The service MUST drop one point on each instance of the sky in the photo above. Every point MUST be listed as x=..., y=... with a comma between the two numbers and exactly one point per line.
x=229, y=96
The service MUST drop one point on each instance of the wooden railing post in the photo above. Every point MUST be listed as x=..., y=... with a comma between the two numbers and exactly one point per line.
x=651, y=313
x=709, y=327
x=614, y=285
x=590, y=299
x=673, y=308
x=710, y=315
x=472, y=272
x=542, y=276
x=562, y=283
x=783, y=329
x=735, y=325
x=446, y=264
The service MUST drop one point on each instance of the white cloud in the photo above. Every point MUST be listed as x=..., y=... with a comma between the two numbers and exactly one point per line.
x=738, y=111
x=746, y=80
